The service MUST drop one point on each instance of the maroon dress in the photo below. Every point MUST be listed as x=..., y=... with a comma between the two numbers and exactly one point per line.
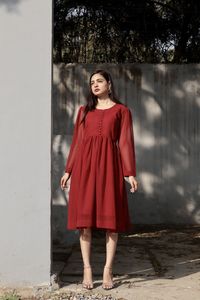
x=102, y=153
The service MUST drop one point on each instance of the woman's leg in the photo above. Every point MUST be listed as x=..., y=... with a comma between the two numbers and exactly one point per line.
x=85, y=243
x=111, y=244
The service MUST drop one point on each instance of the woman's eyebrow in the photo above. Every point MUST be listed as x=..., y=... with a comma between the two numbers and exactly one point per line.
x=97, y=80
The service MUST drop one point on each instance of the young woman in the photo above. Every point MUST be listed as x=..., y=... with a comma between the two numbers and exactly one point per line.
x=102, y=153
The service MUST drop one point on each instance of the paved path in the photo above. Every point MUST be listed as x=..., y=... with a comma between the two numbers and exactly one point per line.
x=157, y=265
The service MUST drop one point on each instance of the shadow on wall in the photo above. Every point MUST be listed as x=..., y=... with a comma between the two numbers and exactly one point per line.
x=11, y=5
x=165, y=104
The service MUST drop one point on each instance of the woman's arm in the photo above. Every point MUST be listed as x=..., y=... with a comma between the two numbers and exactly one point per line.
x=127, y=149
x=126, y=144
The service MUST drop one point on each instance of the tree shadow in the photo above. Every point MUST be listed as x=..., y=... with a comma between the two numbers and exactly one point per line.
x=165, y=105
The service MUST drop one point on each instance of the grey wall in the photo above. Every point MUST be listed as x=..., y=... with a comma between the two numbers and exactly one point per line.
x=25, y=131
x=165, y=102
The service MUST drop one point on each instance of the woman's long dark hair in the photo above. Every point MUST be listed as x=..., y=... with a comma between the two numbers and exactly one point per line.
x=92, y=99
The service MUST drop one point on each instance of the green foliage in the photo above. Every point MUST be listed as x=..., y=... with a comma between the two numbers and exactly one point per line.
x=148, y=31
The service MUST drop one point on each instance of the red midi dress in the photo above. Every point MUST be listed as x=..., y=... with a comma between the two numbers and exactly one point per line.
x=102, y=153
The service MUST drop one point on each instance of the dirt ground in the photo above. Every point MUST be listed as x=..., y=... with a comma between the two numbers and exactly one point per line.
x=150, y=264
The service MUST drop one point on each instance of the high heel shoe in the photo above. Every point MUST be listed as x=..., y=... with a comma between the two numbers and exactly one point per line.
x=108, y=285
x=87, y=285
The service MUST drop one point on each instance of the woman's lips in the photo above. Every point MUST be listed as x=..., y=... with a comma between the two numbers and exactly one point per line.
x=96, y=90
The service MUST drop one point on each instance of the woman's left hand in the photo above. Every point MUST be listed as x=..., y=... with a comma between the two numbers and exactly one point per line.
x=133, y=183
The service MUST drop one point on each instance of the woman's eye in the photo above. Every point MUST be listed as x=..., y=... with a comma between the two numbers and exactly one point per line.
x=99, y=81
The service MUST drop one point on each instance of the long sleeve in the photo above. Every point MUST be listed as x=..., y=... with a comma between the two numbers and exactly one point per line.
x=126, y=144
x=76, y=140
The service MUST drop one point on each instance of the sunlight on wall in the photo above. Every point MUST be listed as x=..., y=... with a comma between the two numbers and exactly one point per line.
x=147, y=182
x=180, y=190
x=146, y=139
x=168, y=171
x=153, y=110
x=178, y=93
x=197, y=217
x=161, y=67
x=191, y=205
x=190, y=86
x=147, y=87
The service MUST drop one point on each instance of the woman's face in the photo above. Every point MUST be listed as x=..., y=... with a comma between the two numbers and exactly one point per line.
x=99, y=85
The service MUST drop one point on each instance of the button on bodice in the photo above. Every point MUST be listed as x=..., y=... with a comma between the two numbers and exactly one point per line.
x=100, y=122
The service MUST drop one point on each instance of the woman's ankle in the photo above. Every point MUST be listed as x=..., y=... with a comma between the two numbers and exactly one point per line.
x=108, y=266
x=87, y=266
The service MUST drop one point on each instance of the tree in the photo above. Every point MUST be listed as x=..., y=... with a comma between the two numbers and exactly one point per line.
x=126, y=31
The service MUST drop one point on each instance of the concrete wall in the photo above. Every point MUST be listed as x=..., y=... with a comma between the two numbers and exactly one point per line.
x=25, y=131
x=165, y=102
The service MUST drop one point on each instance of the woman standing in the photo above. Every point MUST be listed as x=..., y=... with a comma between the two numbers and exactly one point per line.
x=102, y=153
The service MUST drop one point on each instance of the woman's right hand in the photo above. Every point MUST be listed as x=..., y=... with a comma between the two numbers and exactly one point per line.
x=63, y=181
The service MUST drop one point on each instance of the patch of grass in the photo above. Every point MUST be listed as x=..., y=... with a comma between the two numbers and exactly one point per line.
x=10, y=296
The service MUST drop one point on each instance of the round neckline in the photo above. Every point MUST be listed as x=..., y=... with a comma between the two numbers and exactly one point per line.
x=106, y=108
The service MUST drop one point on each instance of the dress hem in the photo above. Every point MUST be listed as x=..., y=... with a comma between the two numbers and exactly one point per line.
x=125, y=230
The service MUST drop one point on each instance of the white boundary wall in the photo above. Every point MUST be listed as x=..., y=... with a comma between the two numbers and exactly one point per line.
x=25, y=131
